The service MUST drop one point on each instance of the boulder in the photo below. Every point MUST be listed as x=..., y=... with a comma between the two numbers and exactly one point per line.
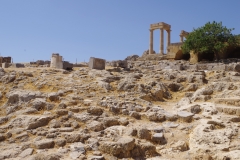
x=95, y=111
x=185, y=116
x=44, y=144
x=180, y=146
x=158, y=138
x=95, y=126
x=144, y=133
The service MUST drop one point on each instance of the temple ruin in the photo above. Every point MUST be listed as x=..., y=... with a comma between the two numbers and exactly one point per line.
x=173, y=49
x=183, y=35
x=162, y=26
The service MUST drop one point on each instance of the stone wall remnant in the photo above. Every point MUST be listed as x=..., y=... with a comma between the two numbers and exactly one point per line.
x=5, y=59
x=5, y=65
x=96, y=63
x=56, y=61
x=67, y=65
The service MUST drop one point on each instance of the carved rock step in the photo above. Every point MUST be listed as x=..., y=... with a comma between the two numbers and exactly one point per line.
x=232, y=110
x=228, y=101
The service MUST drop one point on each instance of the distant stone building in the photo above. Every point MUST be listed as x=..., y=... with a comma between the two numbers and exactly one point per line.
x=5, y=59
x=67, y=65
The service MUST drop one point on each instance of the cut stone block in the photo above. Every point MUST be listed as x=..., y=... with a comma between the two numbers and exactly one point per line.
x=96, y=63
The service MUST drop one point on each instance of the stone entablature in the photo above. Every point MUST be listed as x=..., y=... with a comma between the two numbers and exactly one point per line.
x=160, y=25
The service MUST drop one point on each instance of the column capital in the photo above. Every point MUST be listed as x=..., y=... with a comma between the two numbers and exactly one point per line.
x=151, y=30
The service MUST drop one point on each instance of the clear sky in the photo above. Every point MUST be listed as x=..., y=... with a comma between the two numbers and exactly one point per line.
x=110, y=29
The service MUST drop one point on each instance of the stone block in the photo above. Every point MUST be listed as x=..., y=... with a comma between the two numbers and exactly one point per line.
x=67, y=65
x=5, y=65
x=18, y=65
x=158, y=137
x=96, y=63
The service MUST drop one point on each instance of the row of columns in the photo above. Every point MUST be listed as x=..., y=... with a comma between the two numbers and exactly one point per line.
x=161, y=49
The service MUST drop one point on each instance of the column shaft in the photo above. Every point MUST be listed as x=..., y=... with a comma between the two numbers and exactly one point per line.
x=168, y=38
x=161, y=41
x=151, y=42
x=181, y=38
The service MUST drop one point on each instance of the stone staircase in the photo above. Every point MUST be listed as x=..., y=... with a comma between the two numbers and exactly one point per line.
x=229, y=106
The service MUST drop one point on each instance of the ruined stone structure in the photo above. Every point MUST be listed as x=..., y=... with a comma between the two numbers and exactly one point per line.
x=174, y=49
x=162, y=26
x=5, y=65
x=5, y=59
x=96, y=63
x=56, y=61
x=17, y=65
x=67, y=65
x=183, y=34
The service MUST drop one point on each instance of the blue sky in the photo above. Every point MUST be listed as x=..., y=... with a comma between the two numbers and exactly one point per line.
x=109, y=29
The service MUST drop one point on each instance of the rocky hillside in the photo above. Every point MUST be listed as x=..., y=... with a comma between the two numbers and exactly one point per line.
x=49, y=114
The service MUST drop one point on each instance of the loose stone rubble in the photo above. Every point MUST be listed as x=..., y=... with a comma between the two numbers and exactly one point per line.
x=169, y=110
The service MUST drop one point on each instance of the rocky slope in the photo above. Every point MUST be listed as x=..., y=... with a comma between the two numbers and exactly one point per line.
x=117, y=114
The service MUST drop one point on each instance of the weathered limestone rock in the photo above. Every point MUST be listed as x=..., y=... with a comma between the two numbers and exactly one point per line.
x=195, y=109
x=72, y=137
x=39, y=104
x=26, y=153
x=95, y=111
x=180, y=146
x=144, y=133
x=158, y=137
x=8, y=78
x=53, y=96
x=44, y=144
x=54, y=123
x=16, y=96
x=96, y=158
x=121, y=148
x=237, y=67
x=2, y=137
x=95, y=126
x=185, y=116
x=193, y=57
x=39, y=122
x=77, y=149
x=110, y=121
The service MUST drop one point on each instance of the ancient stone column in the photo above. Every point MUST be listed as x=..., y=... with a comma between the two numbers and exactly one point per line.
x=151, y=42
x=168, y=38
x=161, y=41
x=181, y=38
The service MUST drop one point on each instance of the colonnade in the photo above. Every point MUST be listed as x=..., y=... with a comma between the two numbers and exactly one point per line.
x=162, y=26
